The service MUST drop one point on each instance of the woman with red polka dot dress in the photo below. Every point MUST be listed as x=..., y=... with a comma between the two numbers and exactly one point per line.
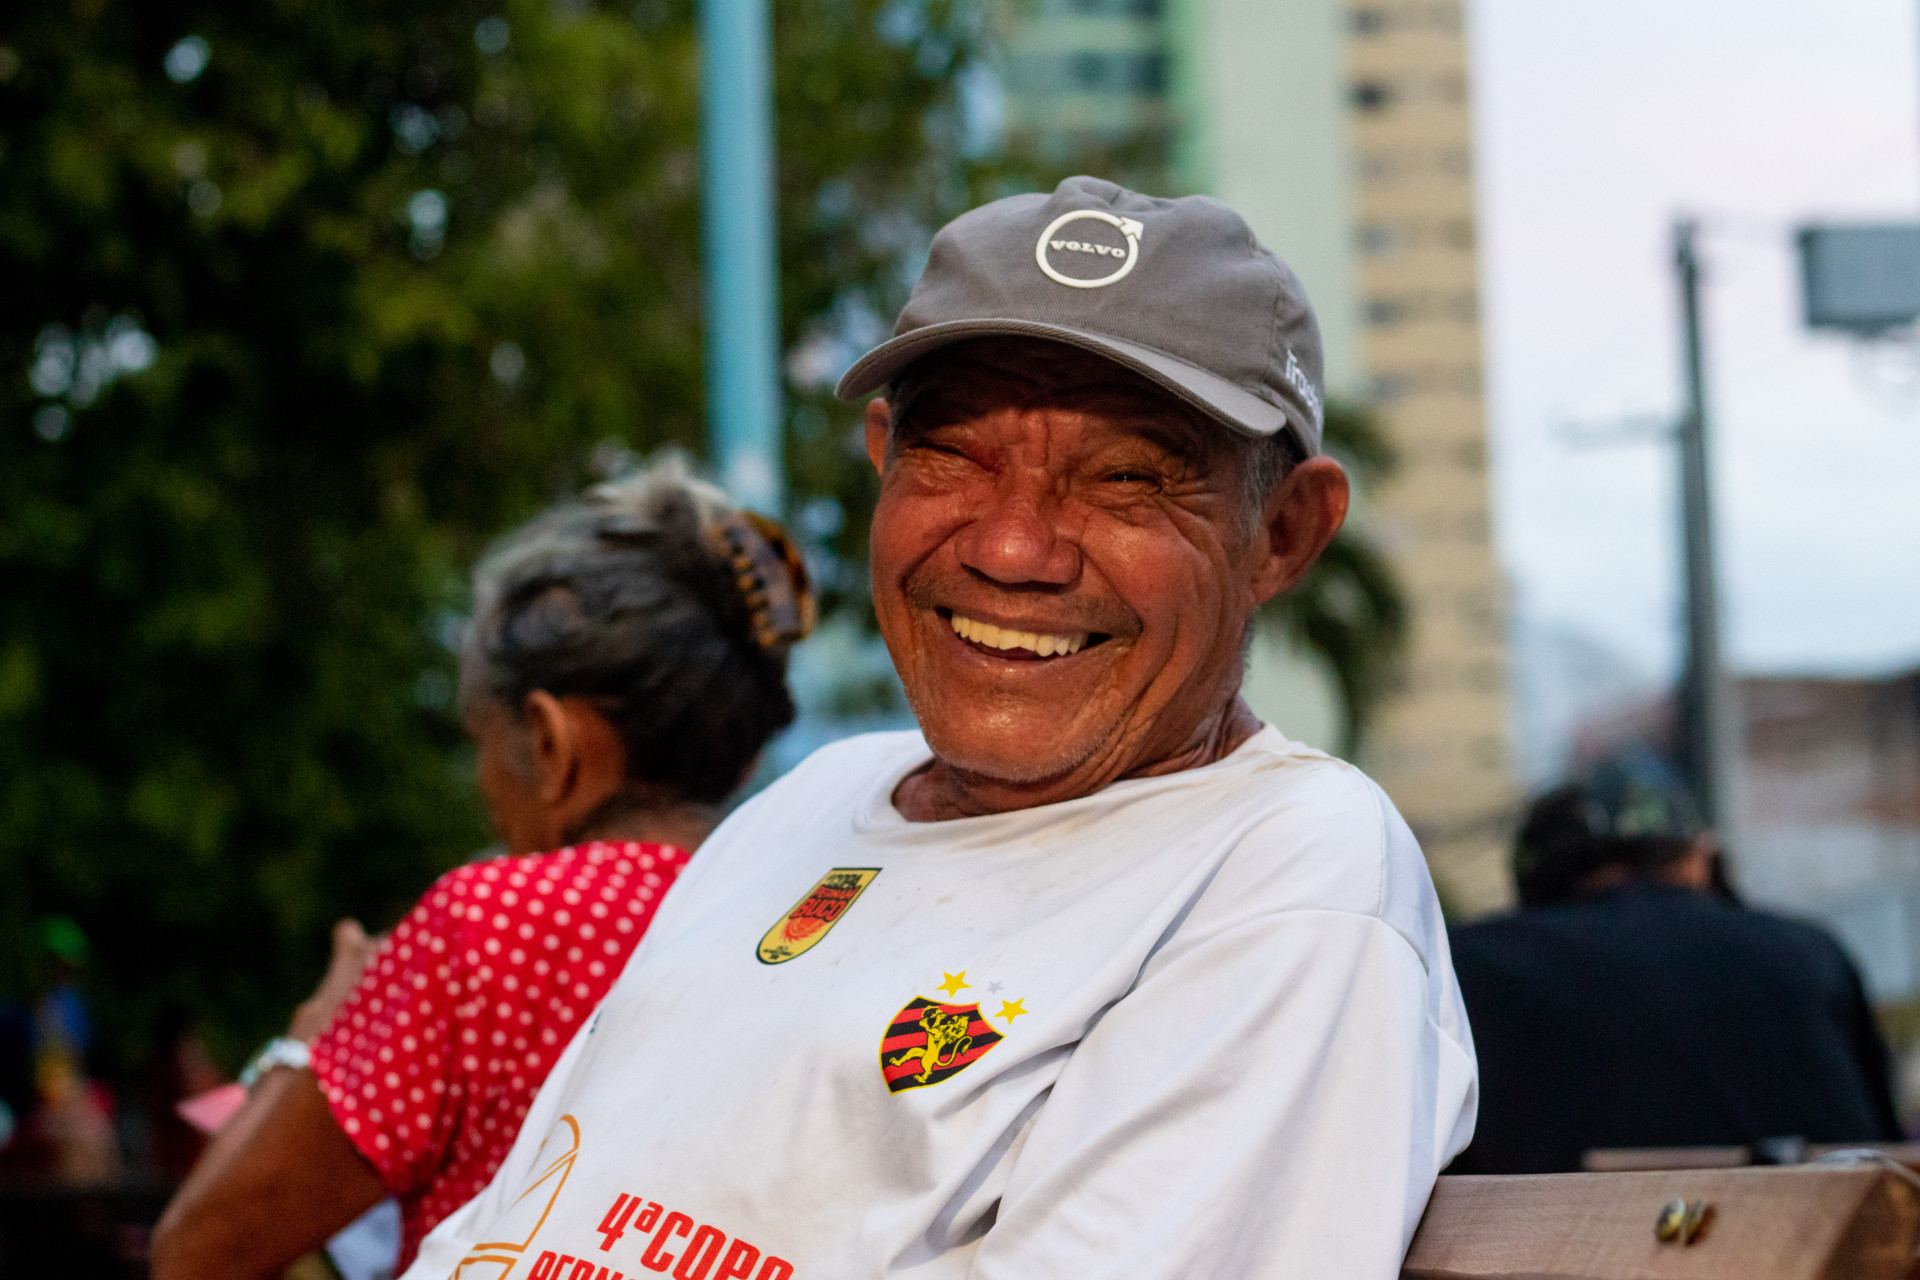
x=625, y=667
x=432, y=1062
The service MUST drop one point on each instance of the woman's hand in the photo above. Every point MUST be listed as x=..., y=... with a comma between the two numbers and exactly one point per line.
x=352, y=951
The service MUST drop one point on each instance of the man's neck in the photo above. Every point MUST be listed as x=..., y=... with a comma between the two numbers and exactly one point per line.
x=940, y=792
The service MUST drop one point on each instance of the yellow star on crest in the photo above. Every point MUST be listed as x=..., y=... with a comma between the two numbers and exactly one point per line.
x=1011, y=1009
x=954, y=982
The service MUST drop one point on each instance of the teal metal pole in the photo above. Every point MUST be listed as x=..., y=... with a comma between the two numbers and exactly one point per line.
x=742, y=290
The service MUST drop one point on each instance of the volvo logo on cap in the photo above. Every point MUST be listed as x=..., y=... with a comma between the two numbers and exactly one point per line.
x=1087, y=248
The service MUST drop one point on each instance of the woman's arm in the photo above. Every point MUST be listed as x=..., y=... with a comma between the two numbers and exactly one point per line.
x=277, y=1181
x=280, y=1177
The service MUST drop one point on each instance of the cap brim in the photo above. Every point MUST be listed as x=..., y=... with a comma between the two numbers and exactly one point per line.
x=1207, y=392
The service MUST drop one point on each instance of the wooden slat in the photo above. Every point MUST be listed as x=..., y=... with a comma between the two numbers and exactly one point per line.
x=1798, y=1223
x=1635, y=1159
x=1907, y=1153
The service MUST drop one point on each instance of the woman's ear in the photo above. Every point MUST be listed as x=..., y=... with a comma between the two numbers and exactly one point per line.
x=578, y=758
x=553, y=745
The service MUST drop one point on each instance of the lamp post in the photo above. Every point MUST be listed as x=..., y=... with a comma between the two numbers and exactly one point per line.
x=1707, y=732
x=739, y=250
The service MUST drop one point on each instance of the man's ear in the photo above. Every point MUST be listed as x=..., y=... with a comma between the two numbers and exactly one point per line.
x=551, y=742
x=1300, y=518
x=879, y=426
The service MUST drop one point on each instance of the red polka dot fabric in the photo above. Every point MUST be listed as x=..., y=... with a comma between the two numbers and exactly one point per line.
x=434, y=1058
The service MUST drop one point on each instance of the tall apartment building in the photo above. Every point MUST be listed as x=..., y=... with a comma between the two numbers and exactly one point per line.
x=1081, y=74
x=1341, y=130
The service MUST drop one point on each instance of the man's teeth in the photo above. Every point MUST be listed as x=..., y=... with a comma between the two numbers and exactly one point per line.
x=985, y=633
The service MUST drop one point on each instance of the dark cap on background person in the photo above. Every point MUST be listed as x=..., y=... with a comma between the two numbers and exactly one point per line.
x=1630, y=810
x=1176, y=290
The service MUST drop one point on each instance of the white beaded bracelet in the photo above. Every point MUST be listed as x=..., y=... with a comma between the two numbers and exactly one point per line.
x=281, y=1051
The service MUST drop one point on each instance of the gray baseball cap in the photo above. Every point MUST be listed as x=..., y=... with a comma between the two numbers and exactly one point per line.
x=1178, y=291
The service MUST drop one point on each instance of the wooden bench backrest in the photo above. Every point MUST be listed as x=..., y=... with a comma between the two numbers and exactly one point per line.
x=1796, y=1223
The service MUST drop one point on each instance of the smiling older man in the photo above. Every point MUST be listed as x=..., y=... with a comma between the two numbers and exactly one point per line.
x=1100, y=976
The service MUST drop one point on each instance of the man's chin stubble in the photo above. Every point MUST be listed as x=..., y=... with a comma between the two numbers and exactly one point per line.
x=1006, y=769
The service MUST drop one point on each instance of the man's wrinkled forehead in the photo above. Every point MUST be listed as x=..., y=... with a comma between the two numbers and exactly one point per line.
x=973, y=379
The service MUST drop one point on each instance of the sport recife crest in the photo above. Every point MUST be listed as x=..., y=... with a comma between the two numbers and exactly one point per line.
x=928, y=1041
x=814, y=914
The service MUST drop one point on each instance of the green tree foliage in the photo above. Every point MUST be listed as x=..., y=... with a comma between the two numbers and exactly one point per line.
x=304, y=301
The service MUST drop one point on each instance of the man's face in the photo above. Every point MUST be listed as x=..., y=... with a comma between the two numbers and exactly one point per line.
x=1063, y=580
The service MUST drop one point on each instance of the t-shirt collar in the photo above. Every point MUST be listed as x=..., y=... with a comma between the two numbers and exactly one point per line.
x=876, y=814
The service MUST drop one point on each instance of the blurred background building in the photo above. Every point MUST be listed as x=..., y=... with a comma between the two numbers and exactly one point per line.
x=1830, y=819
x=1342, y=132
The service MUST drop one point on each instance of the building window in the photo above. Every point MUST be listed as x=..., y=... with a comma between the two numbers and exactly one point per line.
x=1385, y=311
x=1109, y=8
x=1378, y=166
x=1377, y=238
x=1389, y=386
x=1371, y=95
x=1126, y=72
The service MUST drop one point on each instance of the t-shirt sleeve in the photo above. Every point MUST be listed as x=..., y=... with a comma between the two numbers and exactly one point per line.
x=1273, y=1098
x=385, y=1063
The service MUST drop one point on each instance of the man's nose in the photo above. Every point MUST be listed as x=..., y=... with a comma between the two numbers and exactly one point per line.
x=1017, y=539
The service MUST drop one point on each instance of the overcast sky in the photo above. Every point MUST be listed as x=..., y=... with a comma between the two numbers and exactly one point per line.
x=1597, y=121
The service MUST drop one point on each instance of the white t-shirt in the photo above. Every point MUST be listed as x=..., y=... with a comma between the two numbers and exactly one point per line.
x=1201, y=1025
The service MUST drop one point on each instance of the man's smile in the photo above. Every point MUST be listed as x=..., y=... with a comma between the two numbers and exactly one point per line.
x=1013, y=642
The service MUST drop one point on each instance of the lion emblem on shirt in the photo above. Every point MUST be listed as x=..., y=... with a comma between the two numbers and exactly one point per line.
x=947, y=1039
x=927, y=1042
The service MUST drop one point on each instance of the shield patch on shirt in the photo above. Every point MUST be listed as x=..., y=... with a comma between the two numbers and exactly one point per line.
x=928, y=1041
x=815, y=913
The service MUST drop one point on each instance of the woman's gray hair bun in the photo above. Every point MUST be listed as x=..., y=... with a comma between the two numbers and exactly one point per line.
x=631, y=597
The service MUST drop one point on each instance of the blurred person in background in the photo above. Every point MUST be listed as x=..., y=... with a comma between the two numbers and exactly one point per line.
x=60, y=1120
x=1633, y=1001
x=625, y=667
